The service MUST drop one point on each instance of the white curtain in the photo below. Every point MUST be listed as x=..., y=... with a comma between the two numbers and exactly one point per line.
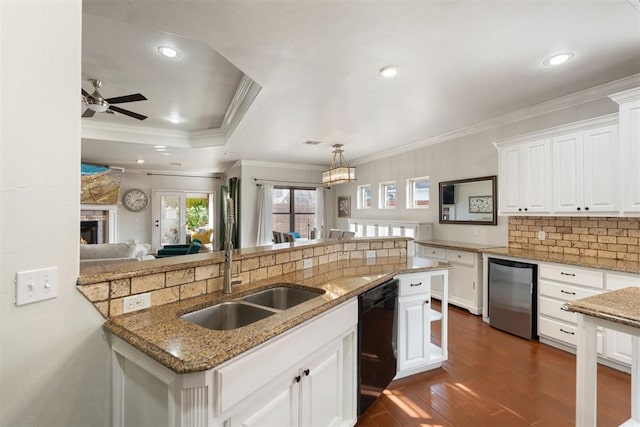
x=319, y=213
x=265, y=215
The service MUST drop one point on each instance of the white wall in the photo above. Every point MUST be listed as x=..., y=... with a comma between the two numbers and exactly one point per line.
x=466, y=157
x=138, y=226
x=54, y=361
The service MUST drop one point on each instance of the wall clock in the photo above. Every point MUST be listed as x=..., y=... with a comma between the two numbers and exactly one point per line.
x=135, y=200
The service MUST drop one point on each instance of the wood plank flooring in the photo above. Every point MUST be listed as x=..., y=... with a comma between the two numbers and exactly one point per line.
x=495, y=379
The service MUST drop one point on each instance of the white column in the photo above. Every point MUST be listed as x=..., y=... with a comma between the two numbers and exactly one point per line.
x=586, y=371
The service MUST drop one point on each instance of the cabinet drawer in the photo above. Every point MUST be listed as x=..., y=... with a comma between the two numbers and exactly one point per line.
x=431, y=252
x=577, y=276
x=563, y=332
x=412, y=284
x=564, y=292
x=460, y=257
x=553, y=308
x=617, y=281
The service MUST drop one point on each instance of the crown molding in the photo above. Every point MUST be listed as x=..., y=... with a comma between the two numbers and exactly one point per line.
x=626, y=96
x=567, y=101
x=244, y=96
x=264, y=164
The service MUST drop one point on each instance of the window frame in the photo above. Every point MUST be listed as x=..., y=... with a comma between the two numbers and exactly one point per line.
x=382, y=192
x=411, y=190
x=361, y=199
x=292, y=213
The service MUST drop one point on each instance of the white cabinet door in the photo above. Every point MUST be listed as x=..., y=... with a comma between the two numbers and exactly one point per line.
x=322, y=389
x=414, y=332
x=600, y=183
x=511, y=161
x=617, y=344
x=525, y=177
x=462, y=285
x=630, y=155
x=279, y=409
x=567, y=173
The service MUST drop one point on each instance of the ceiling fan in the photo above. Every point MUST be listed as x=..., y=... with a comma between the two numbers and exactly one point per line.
x=97, y=104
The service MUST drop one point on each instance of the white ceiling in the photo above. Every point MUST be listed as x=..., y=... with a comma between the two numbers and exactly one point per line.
x=461, y=63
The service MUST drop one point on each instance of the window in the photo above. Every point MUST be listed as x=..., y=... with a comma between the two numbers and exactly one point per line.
x=364, y=196
x=418, y=192
x=297, y=216
x=388, y=195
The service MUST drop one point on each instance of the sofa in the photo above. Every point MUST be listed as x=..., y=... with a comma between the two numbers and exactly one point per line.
x=174, y=250
x=111, y=253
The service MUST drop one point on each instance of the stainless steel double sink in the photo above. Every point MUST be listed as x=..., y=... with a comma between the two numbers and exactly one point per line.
x=251, y=308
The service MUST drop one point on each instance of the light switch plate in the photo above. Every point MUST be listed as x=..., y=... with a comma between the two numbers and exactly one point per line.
x=371, y=254
x=36, y=285
x=307, y=263
x=542, y=235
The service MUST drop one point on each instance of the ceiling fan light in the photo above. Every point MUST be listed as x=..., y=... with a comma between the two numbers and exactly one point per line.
x=97, y=106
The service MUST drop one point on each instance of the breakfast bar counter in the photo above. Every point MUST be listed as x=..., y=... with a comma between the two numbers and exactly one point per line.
x=618, y=310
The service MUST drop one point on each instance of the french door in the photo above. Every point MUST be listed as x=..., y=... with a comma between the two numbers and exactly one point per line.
x=169, y=218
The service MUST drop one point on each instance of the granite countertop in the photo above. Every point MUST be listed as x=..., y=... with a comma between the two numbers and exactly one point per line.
x=185, y=347
x=621, y=306
x=582, y=261
x=459, y=246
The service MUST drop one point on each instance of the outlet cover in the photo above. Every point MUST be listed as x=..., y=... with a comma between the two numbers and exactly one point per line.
x=542, y=235
x=36, y=285
x=371, y=254
x=307, y=263
x=136, y=302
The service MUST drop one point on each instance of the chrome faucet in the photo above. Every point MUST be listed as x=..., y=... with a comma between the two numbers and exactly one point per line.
x=229, y=221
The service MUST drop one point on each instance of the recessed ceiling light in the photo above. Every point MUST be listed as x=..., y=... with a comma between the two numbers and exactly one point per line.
x=159, y=146
x=557, y=59
x=161, y=149
x=175, y=119
x=389, y=71
x=169, y=52
x=139, y=161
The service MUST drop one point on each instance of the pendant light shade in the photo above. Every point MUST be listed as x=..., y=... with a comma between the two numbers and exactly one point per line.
x=340, y=172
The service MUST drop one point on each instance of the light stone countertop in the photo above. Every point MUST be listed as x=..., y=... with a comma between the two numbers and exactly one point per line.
x=458, y=246
x=582, y=261
x=185, y=347
x=621, y=306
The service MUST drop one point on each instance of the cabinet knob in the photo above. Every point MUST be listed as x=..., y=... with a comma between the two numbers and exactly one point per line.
x=426, y=302
x=526, y=209
x=519, y=209
x=578, y=207
x=306, y=372
x=297, y=378
x=586, y=208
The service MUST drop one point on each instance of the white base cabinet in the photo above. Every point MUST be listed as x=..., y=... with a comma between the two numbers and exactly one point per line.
x=618, y=344
x=465, y=278
x=416, y=349
x=306, y=376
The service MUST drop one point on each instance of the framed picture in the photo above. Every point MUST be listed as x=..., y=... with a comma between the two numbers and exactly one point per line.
x=480, y=204
x=344, y=206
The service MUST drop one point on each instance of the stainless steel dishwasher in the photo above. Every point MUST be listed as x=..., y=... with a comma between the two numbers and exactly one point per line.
x=512, y=297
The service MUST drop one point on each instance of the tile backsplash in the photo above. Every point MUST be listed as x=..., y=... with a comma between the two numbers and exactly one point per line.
x=603, y=237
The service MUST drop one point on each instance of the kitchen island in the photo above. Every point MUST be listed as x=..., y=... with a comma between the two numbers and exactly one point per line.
x=294, y=367
x=618, y=310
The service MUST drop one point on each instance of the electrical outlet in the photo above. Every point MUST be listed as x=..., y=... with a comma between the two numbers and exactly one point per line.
x=136, y=302
x=542, y=235
x=371, y=254
x=307, y=263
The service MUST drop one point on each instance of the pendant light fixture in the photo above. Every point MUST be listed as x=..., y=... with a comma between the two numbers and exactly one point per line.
x=340, y=172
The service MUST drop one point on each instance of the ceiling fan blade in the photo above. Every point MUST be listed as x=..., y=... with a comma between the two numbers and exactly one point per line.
x=88, y=113
x=127, y=98
x=127, y=112
x=85, y=93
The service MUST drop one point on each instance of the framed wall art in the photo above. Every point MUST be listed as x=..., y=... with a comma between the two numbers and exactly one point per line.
x=480, y=204
x=344, y=206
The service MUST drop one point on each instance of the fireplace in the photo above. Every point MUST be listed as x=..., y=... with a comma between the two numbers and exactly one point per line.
x=97, y=224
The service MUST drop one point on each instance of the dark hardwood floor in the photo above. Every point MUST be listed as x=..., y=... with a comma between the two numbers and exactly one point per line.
x=495, y=379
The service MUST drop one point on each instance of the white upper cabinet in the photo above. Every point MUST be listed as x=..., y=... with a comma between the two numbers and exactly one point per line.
x=585, y=172
x=629, y=102
x=583, y=168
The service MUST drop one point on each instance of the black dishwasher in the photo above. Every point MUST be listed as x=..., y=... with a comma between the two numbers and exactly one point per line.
x=376, y=341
